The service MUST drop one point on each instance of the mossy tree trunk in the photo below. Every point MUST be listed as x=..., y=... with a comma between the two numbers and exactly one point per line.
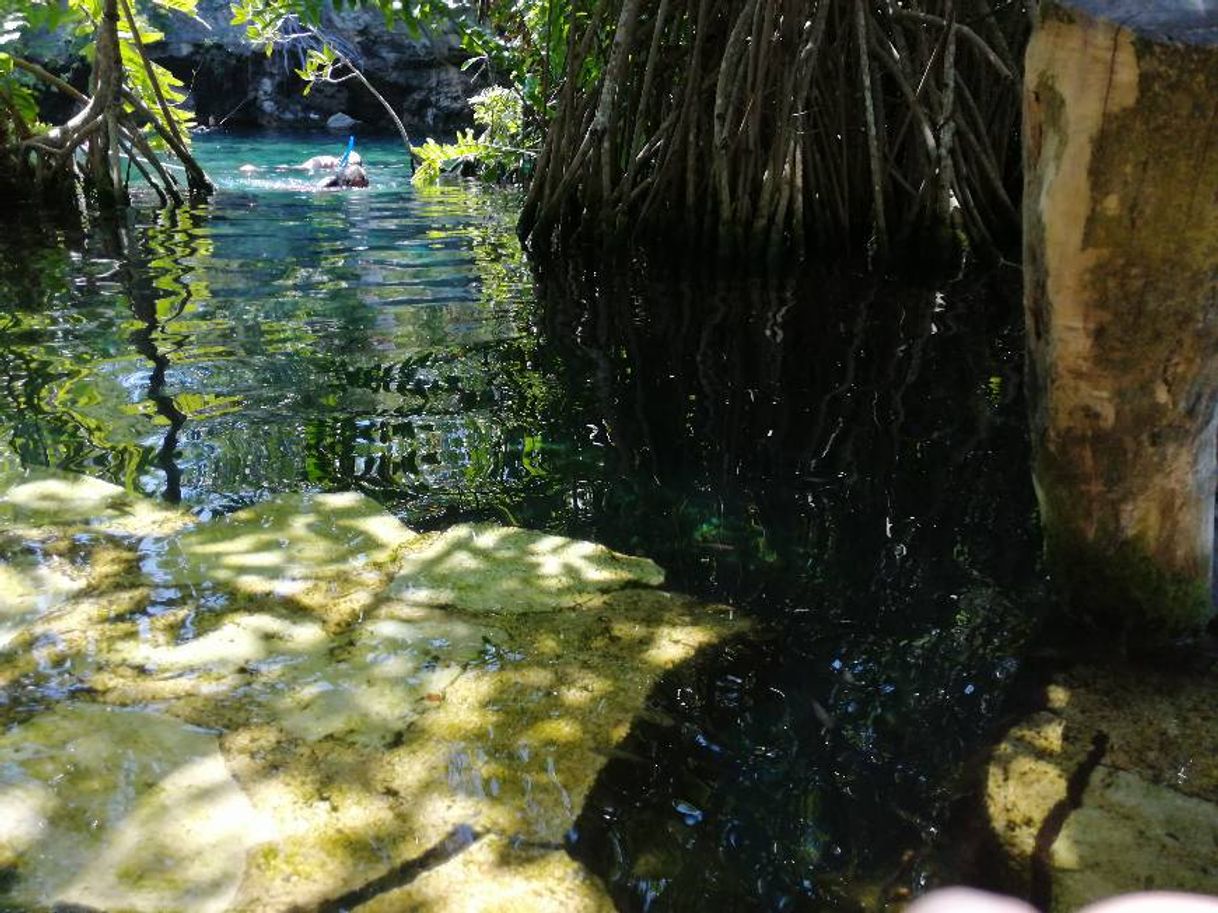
x=1121, y=263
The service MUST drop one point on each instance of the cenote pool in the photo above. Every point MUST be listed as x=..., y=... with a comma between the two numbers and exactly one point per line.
x=844, y=461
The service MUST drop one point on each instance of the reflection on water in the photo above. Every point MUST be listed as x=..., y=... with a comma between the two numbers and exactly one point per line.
x=845, y=461
x=216, y=354
x=848, y=461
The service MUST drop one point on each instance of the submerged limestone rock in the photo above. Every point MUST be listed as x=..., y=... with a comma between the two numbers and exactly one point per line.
x=46, y=502
x=31, y=585
x=1112, y=788
x=68, y=545
x=390, y=721
x=121, y=810
x=494, y=876
x=486, y=568
x=325, y=552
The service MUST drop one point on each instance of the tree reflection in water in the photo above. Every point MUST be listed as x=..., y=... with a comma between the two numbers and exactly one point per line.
x=848, y=461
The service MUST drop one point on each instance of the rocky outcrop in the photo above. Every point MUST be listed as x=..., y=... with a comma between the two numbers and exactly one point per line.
x=306, y=705
x=234, y=82
x=1111, y=788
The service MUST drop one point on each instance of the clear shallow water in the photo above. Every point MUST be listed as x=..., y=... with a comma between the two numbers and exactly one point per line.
x=845, y=461
x=279, y=336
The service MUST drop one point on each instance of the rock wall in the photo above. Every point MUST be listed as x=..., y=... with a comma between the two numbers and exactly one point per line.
x=236, y=83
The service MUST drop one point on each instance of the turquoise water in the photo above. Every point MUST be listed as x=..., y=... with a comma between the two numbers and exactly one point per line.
x=280, y=335
x=845, y=460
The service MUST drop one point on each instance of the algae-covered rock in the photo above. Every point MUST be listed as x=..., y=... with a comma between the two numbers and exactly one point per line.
x=321, y=551
x=41, y=502
x=121, y=810
x=1112, y=788
x=31, y=584
x=485, y=568
x=347, y=694
x=69, y=561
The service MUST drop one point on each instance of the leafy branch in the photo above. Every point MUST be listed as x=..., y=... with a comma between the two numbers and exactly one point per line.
x=132, y=107
x=279, y=25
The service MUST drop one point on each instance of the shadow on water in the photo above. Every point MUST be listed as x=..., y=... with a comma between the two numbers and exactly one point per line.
x=847, y=462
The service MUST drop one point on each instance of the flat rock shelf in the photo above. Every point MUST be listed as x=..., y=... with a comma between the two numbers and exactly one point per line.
x=1112, y=787
x=306, y=705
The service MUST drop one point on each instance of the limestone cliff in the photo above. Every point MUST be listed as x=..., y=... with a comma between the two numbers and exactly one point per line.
x=236, y=83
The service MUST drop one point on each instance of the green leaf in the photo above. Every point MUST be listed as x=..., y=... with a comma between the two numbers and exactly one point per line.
x=187, y=7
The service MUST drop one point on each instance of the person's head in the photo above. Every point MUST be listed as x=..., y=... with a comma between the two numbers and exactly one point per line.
x=349, y=176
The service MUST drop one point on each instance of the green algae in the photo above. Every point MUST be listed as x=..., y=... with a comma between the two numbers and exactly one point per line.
x=1118, y=590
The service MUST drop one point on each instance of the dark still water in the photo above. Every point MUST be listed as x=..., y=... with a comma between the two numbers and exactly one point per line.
x=844, y=460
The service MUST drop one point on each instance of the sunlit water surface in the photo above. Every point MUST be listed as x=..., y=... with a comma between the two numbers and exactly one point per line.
x=843, y=460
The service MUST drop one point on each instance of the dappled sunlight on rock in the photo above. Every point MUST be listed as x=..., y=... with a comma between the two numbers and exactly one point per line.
x=1026, y=778
x=493, y=876
x=558, y=731
x=672, y=645
x=1112, y=788
x=237, y=642
x=323, y=551
x=366, y=694
x=36, y=498
x=483, y=568
x=532, y=742
x=30, y=586
x=133, y=810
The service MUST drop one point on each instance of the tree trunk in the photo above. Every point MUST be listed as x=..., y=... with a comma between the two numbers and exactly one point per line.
x=1121, y=267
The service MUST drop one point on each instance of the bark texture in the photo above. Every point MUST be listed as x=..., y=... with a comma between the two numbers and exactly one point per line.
x=767, y=131
x=1121, y=262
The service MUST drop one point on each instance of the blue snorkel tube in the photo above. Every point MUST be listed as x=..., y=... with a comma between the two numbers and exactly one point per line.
x=342, y=162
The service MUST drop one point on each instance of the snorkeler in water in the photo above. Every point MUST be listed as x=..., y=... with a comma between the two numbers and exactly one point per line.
x=319, y=162
x=351, y=175
x=316, y=163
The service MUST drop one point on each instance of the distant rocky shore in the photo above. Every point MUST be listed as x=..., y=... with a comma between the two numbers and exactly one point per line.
x=234, y=83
